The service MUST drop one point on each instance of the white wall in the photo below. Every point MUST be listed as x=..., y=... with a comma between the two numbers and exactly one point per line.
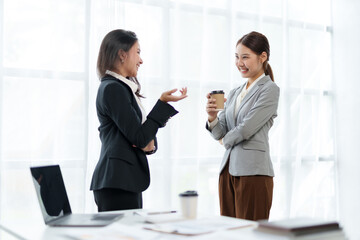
x=346, y=67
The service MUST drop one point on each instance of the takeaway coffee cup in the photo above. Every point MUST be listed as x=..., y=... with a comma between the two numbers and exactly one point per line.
x=219, y=96
x=188, y=201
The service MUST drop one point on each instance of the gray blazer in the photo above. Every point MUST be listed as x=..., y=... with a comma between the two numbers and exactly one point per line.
x=245, y=136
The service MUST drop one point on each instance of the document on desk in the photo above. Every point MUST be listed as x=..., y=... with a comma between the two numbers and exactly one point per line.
x=199, y=226
x=114, y=232
x=161, y=217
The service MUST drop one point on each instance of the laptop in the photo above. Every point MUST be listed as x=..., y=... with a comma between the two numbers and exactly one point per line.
x=54, y=202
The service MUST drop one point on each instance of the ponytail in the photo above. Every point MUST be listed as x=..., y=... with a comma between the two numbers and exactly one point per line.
x=268, y=70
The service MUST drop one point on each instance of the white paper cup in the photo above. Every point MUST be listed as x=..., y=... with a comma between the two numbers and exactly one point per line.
x=188, y=201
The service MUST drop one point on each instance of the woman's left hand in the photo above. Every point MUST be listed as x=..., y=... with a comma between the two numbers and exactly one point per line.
x=168, y=97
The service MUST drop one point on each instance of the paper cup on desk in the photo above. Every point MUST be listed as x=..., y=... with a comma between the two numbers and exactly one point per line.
x=219, y=96
x=188, y=201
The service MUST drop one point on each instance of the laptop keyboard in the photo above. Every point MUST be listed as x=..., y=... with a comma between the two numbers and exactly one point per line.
x=99, y=217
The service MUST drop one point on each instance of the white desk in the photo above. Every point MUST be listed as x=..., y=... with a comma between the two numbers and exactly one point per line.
x=132, y=224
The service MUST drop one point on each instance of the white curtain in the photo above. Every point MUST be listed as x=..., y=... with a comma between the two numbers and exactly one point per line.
x=49, y=84
x=346, y=72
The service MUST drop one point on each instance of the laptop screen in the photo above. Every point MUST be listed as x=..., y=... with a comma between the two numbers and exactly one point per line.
x=50, y=190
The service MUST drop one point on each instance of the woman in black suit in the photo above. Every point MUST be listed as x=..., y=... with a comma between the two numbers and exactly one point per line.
x=126, y=132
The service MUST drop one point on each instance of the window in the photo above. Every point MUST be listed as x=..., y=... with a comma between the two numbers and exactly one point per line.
x=43, y=111
x=48, y=88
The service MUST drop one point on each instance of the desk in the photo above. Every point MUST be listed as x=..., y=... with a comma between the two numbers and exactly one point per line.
x=8, y=235
x=132, y=226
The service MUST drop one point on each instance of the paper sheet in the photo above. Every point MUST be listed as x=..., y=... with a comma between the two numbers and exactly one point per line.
x=115, y=232
x=198, y=226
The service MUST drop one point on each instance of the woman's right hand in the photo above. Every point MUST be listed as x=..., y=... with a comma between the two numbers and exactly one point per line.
x=150, y=147
x=211, y=108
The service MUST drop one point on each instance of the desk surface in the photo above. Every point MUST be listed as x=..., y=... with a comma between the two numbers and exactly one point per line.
x=131, y=227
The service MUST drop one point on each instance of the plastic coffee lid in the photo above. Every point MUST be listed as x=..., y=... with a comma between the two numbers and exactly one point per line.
x=188, y=194
x=217, y=92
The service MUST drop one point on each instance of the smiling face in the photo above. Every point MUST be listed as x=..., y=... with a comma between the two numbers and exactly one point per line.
x=249, y=63
x=131, y=61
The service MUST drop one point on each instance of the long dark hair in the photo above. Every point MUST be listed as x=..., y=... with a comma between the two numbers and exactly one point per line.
x=258, y=43
x=114, y=41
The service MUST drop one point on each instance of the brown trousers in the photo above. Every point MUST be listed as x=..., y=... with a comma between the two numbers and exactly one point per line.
x=246, y=197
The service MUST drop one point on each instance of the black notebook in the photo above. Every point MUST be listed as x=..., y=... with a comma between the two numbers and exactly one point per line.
x=298, y=226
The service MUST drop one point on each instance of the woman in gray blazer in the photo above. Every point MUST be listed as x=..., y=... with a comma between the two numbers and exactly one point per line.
x=127, y=133
x=246, y=173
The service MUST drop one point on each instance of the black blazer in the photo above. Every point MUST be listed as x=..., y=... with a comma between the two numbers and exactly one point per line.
x=121, y=165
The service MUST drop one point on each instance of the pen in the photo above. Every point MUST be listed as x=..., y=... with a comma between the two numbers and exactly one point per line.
x=166, y=212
